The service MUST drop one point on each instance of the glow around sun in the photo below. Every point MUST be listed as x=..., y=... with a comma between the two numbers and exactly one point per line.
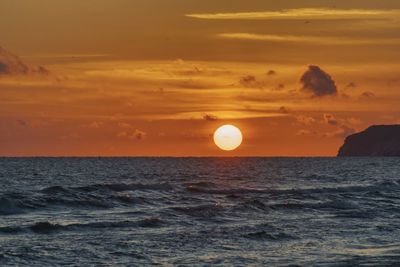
x=228, y=137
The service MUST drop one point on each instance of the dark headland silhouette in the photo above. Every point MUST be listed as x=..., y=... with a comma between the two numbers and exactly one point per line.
x=376, y=141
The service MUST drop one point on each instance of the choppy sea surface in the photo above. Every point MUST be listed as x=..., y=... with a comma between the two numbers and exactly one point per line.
x=200, y=211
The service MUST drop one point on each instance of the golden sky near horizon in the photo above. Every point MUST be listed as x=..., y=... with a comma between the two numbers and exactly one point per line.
x=157, y=77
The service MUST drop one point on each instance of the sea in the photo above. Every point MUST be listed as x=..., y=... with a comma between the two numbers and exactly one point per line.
x=199, y=212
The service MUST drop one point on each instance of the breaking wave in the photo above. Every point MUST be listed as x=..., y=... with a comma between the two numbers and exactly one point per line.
x=49, y=227
x=99, y=196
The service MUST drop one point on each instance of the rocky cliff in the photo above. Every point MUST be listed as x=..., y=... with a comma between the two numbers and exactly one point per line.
x=377, y=140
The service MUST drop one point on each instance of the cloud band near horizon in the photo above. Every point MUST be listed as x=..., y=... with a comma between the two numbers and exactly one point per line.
x=302, y=13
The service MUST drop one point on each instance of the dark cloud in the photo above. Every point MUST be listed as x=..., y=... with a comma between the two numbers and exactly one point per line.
x=23, y=123
x=342, y=128
x=367, y=95
x=248, y=80
x=318, y=82
x=3, y=67
x=11, y=64
x=210, y=117
x=139, y=135
x=280, y=86
x=42, y=70
x=351, y=85
x=283, y=109
x=271, y=73
x=330, y=119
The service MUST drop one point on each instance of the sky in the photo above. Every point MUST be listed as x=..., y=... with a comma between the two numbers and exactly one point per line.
x=158, y=77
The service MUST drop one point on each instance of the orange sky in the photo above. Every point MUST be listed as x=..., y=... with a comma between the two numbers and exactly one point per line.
x=156, y=77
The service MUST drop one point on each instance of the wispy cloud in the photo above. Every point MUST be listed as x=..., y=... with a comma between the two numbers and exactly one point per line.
x=303, y=13
x=60, y=56
x=324, y=40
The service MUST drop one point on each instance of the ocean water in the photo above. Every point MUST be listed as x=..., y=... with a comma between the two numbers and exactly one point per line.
x=200, y=212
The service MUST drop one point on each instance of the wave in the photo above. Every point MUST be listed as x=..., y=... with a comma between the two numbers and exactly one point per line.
x=9, y=207
x=99, y=196
x=110, y=195
x=252, y=204
x=48, y=227
x=200, y=211
x=115, y=187
x=119, y=187
x=263, y=235
x=201, y=184
x=383, y=186
x=228, y=191
x=257, y=205
x=324, y=205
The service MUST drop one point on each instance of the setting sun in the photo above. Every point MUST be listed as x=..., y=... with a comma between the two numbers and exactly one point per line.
x=228, y=137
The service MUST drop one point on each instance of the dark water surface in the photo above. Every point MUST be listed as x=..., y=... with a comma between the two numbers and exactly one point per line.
x=200, y=212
